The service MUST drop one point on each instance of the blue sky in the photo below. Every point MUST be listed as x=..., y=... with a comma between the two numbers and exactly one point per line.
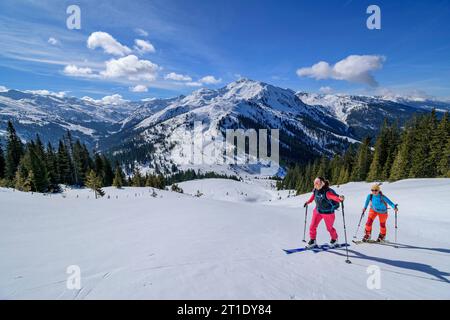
x=188, y=44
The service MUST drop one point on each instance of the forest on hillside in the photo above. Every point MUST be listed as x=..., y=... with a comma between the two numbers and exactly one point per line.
x=33, y=167
x=420, y=150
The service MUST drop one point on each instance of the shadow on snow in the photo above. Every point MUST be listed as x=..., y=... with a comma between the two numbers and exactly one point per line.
x=415, y=266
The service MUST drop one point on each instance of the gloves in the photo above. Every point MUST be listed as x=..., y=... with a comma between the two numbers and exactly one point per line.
x=305, y=205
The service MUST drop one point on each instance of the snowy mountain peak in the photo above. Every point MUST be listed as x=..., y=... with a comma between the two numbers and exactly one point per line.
x=247, y=89
x=243, y=89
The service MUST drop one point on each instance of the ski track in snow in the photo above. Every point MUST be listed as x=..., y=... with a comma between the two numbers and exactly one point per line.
x=218, y=246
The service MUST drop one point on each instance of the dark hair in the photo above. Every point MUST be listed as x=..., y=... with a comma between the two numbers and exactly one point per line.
x=325, y=181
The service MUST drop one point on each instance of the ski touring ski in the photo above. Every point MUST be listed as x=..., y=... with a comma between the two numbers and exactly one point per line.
x=384, y=242
x=320, y=248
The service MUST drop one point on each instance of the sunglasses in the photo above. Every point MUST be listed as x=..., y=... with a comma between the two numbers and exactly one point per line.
x=375, y=190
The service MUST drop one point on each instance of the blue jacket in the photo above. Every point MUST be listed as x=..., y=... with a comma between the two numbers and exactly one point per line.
x=379, y=203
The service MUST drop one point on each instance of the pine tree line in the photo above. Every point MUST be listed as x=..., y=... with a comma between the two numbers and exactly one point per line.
x=159, y=181
x=420, y=150
x=35, y=167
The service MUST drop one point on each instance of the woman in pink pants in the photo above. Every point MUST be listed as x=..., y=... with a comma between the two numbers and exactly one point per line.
x=326, y=202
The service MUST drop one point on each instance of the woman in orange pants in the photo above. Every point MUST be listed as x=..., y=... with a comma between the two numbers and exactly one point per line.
x=378, y=208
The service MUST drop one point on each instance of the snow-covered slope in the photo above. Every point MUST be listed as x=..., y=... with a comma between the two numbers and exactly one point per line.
x=177, y=246
x=229, y=190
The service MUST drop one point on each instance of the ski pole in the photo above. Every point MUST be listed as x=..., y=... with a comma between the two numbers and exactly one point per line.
x=396, y=228
x=359, y=225
x=345, y=233
x=304, y=230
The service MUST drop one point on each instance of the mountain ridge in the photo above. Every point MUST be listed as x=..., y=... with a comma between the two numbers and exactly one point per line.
x=310, y=124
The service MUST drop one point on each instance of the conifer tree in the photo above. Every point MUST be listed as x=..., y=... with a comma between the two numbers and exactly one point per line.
x=439, y=145
x=2, y=163
x=51, y=162
x=444, y=163
x=98, y=165
x=363, y=161
x=160, y=182
x=68, y=143
x=80, y=164
x=64, y=164
x=150, y=180
x=118, y=178
x=39, y=148
x=108, y=174
x=94, y=182
x=87, y=158
x=14, y=152
x=401, y=165
x=20, y=179
x=420, y=161
x=323, y=167
x=34, y=170
x=137, y=180
x=392, y=142
x=335, y=166
x=379, y=156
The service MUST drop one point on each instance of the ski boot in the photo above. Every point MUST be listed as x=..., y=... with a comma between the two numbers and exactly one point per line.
x=334, y=244
x=366, y=238
x=311, y=244
x=381, y=238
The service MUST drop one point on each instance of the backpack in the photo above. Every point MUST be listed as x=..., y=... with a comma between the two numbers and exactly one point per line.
x=325, y=205
x=334, y=204
x=381, y=195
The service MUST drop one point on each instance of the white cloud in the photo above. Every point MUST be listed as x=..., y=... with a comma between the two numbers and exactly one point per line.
x=53, y=41
x=354, y=68
x=107, y=43
x=177, y=77
x=115, y=99
x=326, y=90
x=3, y=89
x=139, y=88
x=74, y=71
x=141, y=32
x=143, y=46
x=210, y=80
x=60, y=94
x=194, y=84
x=204, y=80
x=132, y=68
